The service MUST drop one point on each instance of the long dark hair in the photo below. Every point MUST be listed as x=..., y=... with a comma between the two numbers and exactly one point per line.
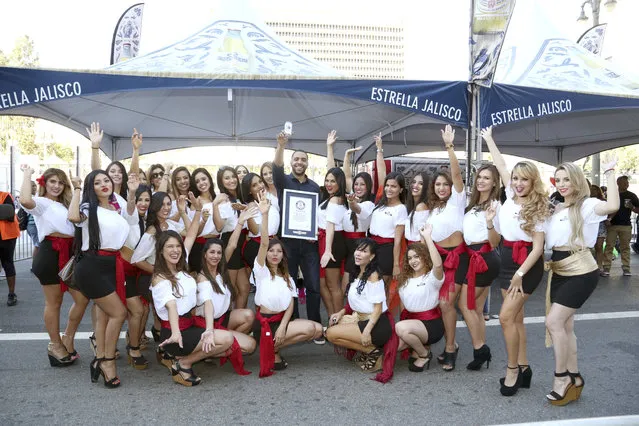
x=373, y=265
x=174, y=188
x=494, y=193
x=340, y=178
x=247, y=182
x=268, y=164
x=206, y=173
x=399, y=178
x=138, y=193
x=220, y=183
x=368, y=181
x=90, y=199
x=411, y=204
x=124, y=188
x=282, y=267
x=222, y=269
x=433, y=199
x=161, y=269
x=157, y=200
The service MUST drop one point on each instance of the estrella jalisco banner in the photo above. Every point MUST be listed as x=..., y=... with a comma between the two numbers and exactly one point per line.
x=127, y=34
x=488, y=31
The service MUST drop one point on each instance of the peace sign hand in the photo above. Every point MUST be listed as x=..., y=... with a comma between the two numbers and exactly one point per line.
x=378, y=141
x=491, y=211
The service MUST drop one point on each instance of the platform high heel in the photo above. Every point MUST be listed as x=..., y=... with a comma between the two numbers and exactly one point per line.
x=110, y=383
x=512, y=390
x=570, y=393
x=412, y=367
x=578, y=388
x=481, y=355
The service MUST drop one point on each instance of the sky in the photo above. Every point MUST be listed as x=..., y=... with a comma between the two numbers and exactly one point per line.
x=75, y=34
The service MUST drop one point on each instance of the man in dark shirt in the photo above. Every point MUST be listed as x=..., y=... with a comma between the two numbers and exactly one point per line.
x=621, y=227
x=301, y=254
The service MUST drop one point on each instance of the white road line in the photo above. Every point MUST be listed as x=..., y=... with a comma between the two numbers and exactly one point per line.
x=10, y=337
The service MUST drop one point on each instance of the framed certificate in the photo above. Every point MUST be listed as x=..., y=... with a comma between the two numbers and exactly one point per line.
x=299, y=214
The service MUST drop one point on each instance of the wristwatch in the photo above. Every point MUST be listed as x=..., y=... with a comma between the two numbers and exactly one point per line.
x=521, y=274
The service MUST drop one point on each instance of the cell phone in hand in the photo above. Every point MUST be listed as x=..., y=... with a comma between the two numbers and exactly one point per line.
x=288, y=128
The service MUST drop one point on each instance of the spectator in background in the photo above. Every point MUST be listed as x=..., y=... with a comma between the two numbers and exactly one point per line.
x=32, y=231
x=621, y=227
x=9, y=233
x=595, y=192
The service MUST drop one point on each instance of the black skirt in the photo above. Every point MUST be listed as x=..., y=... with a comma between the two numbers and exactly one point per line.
x=484, y=279
x=338, y=250
x=250, y=252
x=257, y=327
x=190, y=339
x=94, y=275
x=195, y=257
x=571, y=292
x=384, y=258
x=381, y=332
x=531, y=279
x=435, y=330
x=45, y=264
x=235, y=262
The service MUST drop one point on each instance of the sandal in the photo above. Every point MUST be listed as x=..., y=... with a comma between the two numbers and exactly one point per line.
x=164, y=359
x=373, y=361
x=360, y=358
x=74, y=354
x=64, y=361
x=450, y=358
x=441, y=357
x=578, y=388
x=156, y=334
x=416, y=369
x=137, y=362
x=111, y=383
x=192, y=380
x=278, y=366
x=93, y=344
x=570, y=393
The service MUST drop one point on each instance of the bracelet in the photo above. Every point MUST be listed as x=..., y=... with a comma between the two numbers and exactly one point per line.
x=76, y=187
x=450, y=146
x=198, y=210
x=609, y=170
x=490, y=227
x=380, y=150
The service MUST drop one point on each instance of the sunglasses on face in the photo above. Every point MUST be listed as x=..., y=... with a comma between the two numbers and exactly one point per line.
x=157, y=175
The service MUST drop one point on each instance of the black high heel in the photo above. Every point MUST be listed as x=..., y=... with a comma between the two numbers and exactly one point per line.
x=512, y=390
x=450, y=359
x=137, y=362
x=93, y=344
x=441, y=357
x=156, y=334
x=59, y=362
x=570, y=394
x=412, y=367
x=526, y=376
x=480, y=356
x=278, y=366
x=373, y=362
x=164, y=359
x=111, y=383
x=192, y=380
x=95, y=370
x=578, y=388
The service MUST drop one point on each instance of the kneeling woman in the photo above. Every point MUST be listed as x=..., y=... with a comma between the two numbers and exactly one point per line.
x=365, y=325
x=421, y=322
x=175, y=295
x=274, y=295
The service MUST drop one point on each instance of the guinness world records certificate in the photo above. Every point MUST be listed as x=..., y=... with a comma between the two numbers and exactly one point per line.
x=299, y=214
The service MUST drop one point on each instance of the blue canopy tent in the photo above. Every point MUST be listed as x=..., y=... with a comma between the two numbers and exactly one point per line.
x=234, y=83
x=553, y=100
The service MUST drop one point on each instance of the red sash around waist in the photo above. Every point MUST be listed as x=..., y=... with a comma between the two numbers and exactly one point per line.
x=184, y=322
x=520, y=252
x=234, y=353
x=119, y=272
x=200, y=240
x=354, y=235
x=63, y=246
x=476, y=265
x=451, y=263
x=382, y=240
x=390, y=349
x=267, y=345
x=422, y=316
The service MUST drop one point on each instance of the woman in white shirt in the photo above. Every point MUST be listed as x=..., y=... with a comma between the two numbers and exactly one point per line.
x=387, y=225
x=274, y=293
x=365, y=325
x=204, y=189
x=481, y=264
x=55, y=232
x=266, y=173
x=332, y=247
x=416, y=207
x=521, y=223
x=571, y=233
x=175, y=295
x=225, y=214
x=103, y=226
x=253, y=186
x=446, y=203
x=420, y=324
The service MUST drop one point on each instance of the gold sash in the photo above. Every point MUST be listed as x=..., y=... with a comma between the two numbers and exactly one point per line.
x=578, y=263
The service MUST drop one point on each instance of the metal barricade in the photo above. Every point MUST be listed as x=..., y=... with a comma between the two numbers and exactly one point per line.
x=24, y=247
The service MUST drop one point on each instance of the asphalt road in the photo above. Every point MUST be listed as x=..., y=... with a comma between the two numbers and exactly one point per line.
x=319, y=387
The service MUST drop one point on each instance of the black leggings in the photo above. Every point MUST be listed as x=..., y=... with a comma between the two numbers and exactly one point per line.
x=7, y=248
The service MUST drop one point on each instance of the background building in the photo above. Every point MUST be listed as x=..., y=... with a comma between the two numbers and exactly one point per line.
x=364, y=51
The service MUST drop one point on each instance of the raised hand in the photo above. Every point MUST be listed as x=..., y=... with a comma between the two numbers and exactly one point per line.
x=426, y=231
x=282, y=139
x=28, y=171
x=331, y=138
x=220, y=198
x=95, y=135
x=378, y=141
x=181, y=203
x=352, y=150
x=487, y=132
x=611, y=165
x=491, y=211
x=196, y=203
x=352, y=198
x=136, y=139
x=133, y=183
x=448, y=135
x=76, y=182
x=264, y=204
x=248, y=213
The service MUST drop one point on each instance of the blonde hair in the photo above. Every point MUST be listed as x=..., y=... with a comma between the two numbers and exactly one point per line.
x=581, y=193
x=65, y=197
x=535, y=206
